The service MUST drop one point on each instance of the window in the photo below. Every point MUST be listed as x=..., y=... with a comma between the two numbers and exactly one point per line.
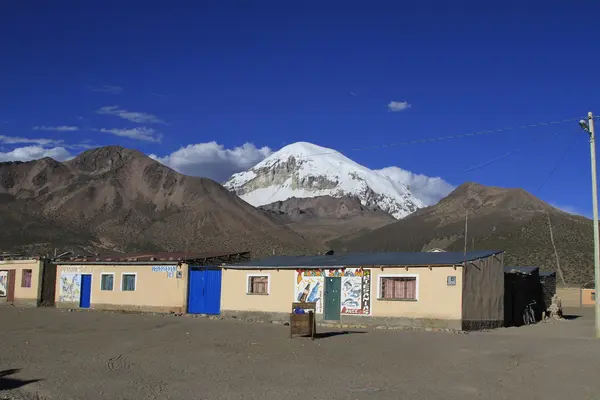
x=398, y=288
x=128, y=282
x=107, y=281
x=26, y=278
x=258, y=284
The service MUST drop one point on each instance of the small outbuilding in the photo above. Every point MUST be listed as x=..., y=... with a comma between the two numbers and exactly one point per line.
x=20, y=280
x=148, y=282
x=424, y=289
x=522, y=288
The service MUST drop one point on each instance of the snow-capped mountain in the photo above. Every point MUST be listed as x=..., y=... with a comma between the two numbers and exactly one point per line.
x=307, y=170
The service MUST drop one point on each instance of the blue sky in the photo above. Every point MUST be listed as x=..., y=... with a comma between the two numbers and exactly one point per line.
x=161, y=77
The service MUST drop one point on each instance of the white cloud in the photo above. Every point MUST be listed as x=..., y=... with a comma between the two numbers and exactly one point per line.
x=63, y=128
x=133, y=116
x=395, y=106
x=107, y=89
x=21, y=140
x=572, y=210
x=29, y=153
x=142, y=133
x=213, y=160
x=429, y=189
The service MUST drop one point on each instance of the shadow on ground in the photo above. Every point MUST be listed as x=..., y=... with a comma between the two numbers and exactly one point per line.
x=571, y=316
x=11, y=383
x=325, y=335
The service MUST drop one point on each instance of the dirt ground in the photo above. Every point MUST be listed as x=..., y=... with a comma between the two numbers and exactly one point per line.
x=53, y=354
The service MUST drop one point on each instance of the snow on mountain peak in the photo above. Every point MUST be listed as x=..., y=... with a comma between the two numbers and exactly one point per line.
x=306, y=170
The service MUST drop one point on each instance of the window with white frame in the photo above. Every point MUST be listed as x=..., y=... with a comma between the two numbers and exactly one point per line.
x=258, y=284
x=107, y=281
x=398, y=288
x=128, y=282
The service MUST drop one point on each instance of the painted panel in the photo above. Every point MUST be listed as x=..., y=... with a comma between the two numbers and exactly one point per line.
x=356, y=288
x=70, y=287
x=3, y=283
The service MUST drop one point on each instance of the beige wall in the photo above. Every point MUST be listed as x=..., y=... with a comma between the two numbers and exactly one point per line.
x=483, y=290
x=154, y=291
x=586, y=297
x=435, y=299
x=31, y=294
x=569, y=296
x=279, y=299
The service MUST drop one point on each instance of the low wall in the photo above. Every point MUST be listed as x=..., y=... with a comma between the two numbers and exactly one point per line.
x=355, y=320
x=569, y=296
x=124, y=307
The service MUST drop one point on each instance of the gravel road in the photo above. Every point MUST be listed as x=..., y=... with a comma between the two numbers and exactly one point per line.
x=52, y=354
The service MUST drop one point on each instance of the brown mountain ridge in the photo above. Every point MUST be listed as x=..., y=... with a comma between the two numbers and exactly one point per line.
x=504, y=219
x=116, y=199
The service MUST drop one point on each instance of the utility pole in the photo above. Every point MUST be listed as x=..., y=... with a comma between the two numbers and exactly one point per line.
x=596, y=228
x=466, y=230
x=589, y=127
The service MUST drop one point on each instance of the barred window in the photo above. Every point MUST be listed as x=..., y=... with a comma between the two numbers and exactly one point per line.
x=399, y=288
x=26, y=278
x=258, y=284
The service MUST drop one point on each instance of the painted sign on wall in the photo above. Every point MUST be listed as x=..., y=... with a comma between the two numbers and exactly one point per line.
x=356, y=288
x=309, y=288
x=169, y=269
x=356, y=292
x=70, y=287
x=3, y=283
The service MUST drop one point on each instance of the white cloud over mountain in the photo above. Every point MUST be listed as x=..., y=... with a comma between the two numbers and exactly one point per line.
x=213, y=160
x=428, y=189
x=29, y=153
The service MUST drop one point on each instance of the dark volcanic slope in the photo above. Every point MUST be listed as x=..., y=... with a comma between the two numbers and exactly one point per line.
x=323, y=218
x=119, y=199
x=505, y=219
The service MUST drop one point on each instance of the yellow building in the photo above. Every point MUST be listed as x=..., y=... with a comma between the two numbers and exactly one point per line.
x=156, y=282
x=428, y=289
x=20, y=280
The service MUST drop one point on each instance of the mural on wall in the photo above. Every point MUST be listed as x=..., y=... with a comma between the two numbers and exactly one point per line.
x=70, y=287
x=3, y=283
x=356, y=292
x=309, y=288
x=356, y=288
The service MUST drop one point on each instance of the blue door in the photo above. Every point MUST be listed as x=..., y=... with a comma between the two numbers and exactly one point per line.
x=204, y=295
x=86, y=291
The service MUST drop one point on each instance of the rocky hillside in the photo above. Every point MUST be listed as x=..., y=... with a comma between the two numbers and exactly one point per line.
x=113, y=198
x=321, y=219
x=506, y=219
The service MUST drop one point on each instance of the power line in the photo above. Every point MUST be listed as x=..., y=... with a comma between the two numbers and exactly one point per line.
x=556, y=165
x=450, y=137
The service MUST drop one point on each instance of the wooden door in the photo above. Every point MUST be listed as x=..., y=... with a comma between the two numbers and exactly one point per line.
x=12, y=276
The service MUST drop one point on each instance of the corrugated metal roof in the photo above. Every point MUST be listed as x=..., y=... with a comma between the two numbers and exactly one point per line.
x=365, y=259
x=521, y=270
x=215, y=257
x=547, y=273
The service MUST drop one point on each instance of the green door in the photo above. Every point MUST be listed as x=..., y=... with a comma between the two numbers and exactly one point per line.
x=333, y=294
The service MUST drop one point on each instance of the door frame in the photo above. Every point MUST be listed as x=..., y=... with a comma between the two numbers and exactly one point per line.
x=10, y=294
x=202, y=269
x=81, y=290
x=325, y=296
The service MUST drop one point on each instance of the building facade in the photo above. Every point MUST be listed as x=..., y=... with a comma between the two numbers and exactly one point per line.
x=156, y=282
x=437, y=289
x=20, y=281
